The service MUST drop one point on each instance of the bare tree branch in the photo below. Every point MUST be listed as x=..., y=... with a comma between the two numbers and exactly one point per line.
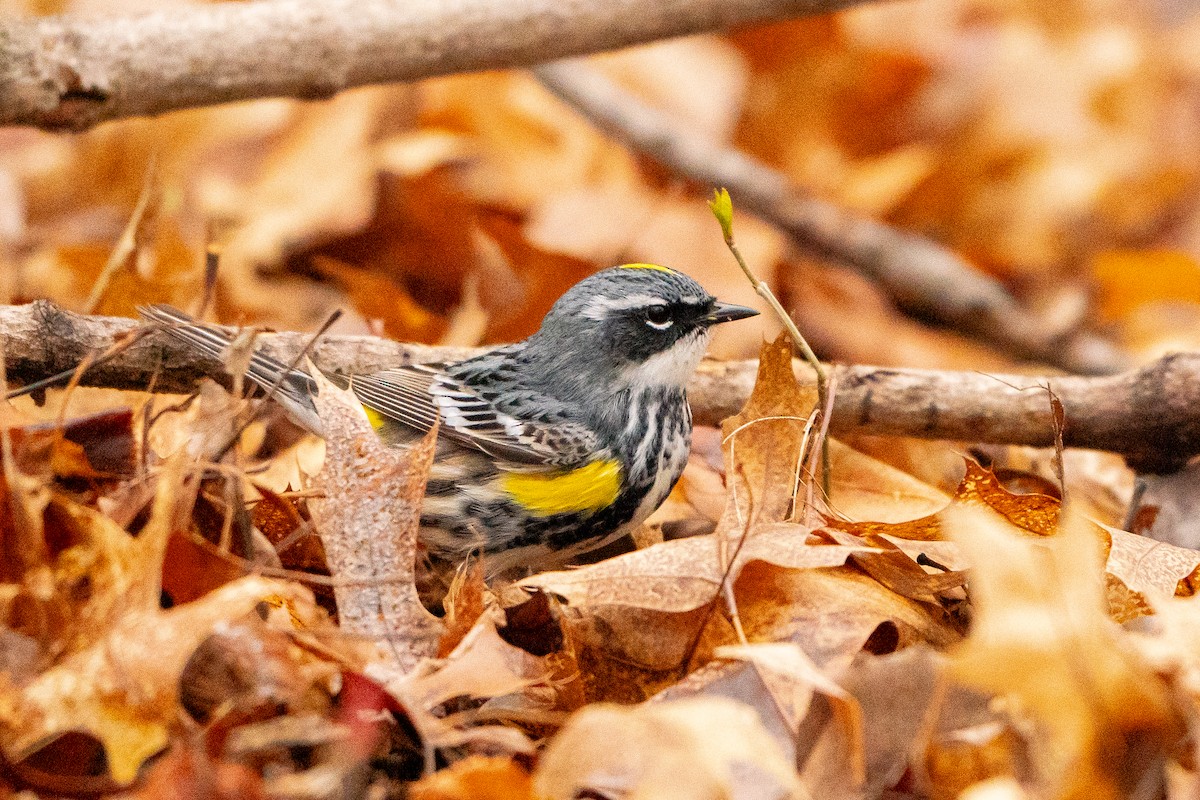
x=71, y=73
x=1150, y=415
x=922, y=276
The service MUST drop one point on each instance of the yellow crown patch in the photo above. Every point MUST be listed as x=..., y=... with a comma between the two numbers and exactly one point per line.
x=655, y=267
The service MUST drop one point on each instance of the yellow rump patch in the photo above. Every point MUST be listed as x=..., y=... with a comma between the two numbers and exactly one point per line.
x=589, y=488
x=655, y=267
x=376, y=419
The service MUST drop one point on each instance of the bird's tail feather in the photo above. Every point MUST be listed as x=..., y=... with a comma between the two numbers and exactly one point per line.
x=292, y=387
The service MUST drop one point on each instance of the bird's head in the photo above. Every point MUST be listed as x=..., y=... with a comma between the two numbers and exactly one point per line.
x=639, y=325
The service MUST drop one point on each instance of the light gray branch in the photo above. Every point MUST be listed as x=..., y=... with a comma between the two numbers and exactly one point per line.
x=1150, y=415
x=71, y=73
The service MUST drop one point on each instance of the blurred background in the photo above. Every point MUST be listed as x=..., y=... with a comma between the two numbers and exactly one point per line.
x=1054, y=146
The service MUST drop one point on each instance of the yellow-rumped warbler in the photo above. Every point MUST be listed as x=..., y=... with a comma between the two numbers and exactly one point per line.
x=549, y=447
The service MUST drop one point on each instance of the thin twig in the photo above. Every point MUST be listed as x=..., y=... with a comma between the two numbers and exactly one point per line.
x=129, y=241
x=722, y=208
x=810, y=511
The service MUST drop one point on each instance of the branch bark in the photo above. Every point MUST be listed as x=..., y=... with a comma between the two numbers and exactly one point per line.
x=1150, y=415
x=71, y=73
x=921, y=276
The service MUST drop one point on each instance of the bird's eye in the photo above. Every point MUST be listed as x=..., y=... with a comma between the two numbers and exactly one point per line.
x=658, y=317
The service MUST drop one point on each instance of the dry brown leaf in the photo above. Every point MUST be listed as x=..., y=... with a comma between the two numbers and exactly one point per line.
x=834, y=613
x=829, y=753
x=893, y=567
x=465, y=603
x=864, y=488
x=815, y=723
x=482, y=666
x=368, y=521
x=1035, y=514
x=686, y=574
x=764, y=442
x=897, y=696
x=1148, y=567
x=1100, y=712
x=124, y=689
x=476, y=778
x=687, y=749
x=72, y=572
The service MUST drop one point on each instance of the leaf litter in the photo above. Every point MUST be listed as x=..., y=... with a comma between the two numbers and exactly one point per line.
x=173, y=626
x=789, y=638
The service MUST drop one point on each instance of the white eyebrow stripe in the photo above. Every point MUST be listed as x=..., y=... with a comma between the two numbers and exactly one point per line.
x=599, y=308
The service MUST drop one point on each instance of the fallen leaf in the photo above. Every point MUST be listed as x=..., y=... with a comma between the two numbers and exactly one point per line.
x=368, y=522
x=897, y=697
x=827, y=742
x=764, y=443
x=686, y=574
x=476, y=778
x=864, y=488
x=687, y=749
x=1037, y=515
x=1101, y=712
x=123, y=690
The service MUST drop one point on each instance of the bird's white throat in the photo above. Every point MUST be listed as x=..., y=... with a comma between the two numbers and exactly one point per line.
x=670, y=368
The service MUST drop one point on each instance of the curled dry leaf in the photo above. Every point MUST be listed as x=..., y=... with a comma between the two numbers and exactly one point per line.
x=72, y=573
x=124, y=689
x=476, y=778
x=864, y=488
x=368, y=522
x=1103, y=721
x=853, y=741
x=823, y=721
x=685, y=574
x=1136, y=566
x=1033, y=513
x=482, y=666
x=764, y=443
x=688, y=749
x=835, y=613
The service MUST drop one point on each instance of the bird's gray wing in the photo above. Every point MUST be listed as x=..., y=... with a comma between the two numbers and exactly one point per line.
x=417, y=395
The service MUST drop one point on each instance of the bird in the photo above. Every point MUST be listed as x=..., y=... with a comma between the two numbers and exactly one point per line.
x=547, y=448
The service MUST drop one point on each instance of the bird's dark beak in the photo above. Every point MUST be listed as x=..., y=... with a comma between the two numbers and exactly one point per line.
x=728, y=312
